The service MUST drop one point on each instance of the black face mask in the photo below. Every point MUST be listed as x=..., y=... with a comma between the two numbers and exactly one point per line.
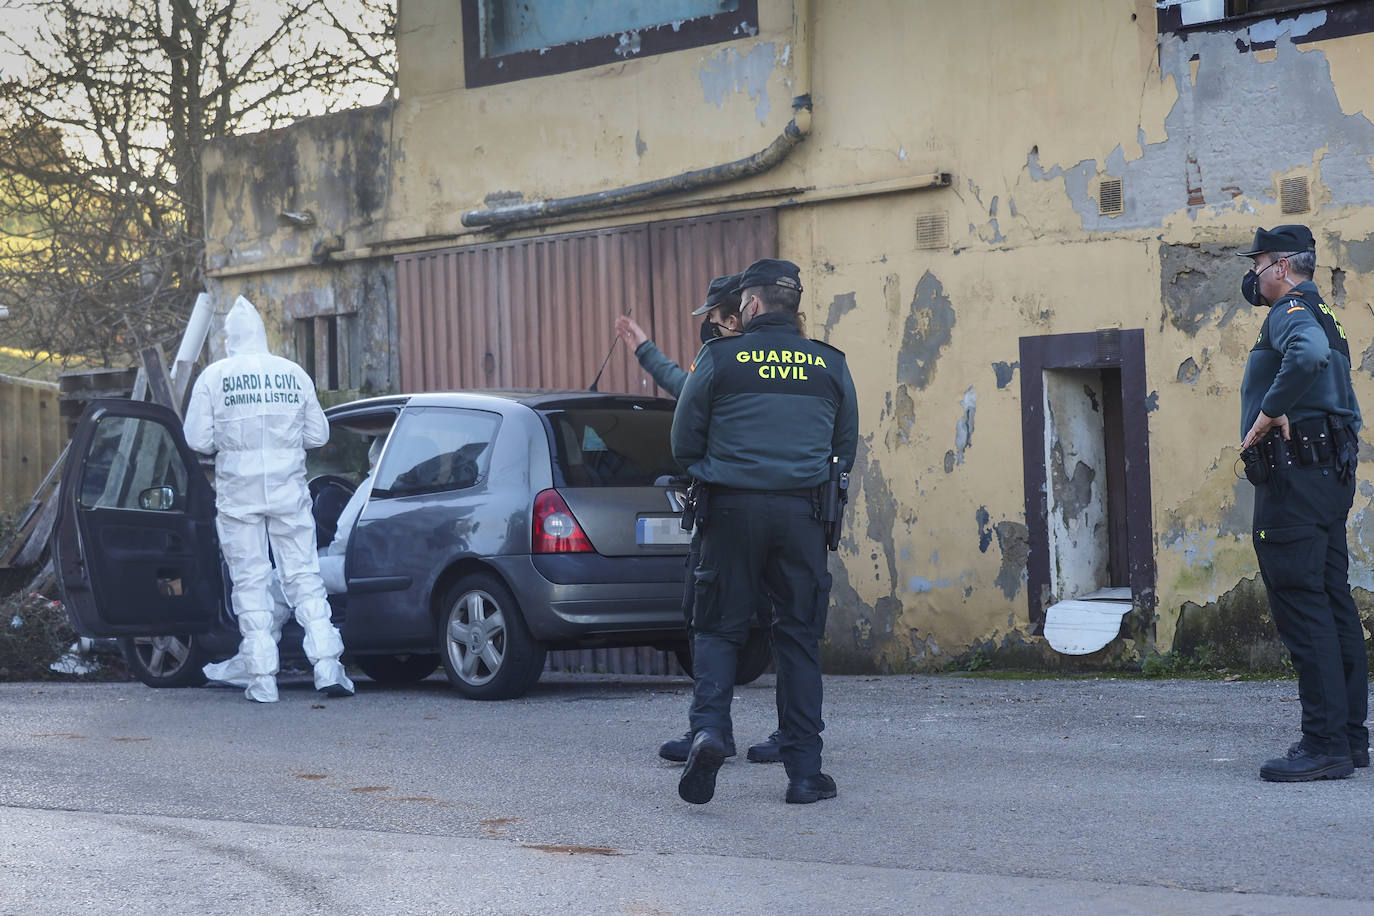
x=709, y=330
x=1249, y=286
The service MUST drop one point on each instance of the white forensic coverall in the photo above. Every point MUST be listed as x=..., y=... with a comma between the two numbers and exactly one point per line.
x=257, y=413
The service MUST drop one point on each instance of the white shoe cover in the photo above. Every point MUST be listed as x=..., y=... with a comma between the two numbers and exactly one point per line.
x=262, y=689
x=232, y=671
x=329, y=672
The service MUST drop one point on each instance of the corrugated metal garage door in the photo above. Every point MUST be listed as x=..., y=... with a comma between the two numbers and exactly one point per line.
x=540, y=313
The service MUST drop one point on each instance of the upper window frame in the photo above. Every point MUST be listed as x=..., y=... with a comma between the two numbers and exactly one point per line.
x=594, y=52
x=1351, y=17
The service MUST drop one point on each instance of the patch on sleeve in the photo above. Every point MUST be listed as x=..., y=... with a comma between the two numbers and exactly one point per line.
x=692, y=367
x=1294, y=308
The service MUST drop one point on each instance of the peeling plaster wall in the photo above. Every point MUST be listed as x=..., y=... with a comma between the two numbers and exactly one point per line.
x=1029, y=106
x=335, y=169
x=1077, y=462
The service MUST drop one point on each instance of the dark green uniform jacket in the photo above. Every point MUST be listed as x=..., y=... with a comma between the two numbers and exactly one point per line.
x=1300, y=364
x=766, y=410
x=668, y=374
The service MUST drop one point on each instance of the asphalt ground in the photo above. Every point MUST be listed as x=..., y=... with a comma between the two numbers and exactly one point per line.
x=956, y=795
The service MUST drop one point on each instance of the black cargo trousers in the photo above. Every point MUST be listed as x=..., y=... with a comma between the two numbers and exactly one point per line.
x=1300, y=541
x=758, y=543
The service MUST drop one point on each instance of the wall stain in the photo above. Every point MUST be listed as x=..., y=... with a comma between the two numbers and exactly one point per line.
x=904, y=415
x=929, y=327
x=1073, y=492
x=963, y=430
x=1200, y=282
x=1005, y=372
x=1013, y=539
x=1247, y=153
x=729, y=71
x=840, y=306
x=984, y=532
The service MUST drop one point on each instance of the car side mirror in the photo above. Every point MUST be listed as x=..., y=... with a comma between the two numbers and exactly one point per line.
x=158, y=499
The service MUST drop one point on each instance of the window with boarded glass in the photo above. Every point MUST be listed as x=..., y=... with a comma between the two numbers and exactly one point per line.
x=506, y=40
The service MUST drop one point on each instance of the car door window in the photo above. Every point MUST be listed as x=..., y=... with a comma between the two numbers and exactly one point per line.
x=433, y=449
x=129, y=455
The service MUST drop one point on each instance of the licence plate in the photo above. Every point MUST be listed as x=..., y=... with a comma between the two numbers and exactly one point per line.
x=661, y=531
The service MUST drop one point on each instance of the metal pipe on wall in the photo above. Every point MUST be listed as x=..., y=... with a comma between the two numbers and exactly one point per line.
x=796, y=130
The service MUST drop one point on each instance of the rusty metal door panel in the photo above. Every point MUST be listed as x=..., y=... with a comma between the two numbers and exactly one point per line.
x=540, y=313
x=532, y=313
x=687, y=255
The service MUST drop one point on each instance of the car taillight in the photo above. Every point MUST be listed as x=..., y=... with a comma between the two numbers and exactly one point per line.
x=555, y=529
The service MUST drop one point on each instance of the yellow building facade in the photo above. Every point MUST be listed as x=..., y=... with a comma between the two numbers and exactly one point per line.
x=1017, y=219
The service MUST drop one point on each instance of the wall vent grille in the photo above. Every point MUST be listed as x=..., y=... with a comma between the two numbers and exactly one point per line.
x=1293, y=195
x=932, y=230
x=1109, y=200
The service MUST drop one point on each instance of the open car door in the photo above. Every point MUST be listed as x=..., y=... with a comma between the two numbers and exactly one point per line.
x=136, y=551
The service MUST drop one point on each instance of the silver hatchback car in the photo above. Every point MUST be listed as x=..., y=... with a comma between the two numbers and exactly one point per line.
x=500, y=524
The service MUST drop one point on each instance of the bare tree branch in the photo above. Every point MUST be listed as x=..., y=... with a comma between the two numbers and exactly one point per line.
x=102, y=138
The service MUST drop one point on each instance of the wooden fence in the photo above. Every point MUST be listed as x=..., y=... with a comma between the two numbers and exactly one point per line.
x=31, y=438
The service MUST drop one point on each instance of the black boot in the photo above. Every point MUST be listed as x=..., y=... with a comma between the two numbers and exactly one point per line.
x=767, y=751
x=677, y=749
x=810, y=789
x=698, y=782
x=1303, y=765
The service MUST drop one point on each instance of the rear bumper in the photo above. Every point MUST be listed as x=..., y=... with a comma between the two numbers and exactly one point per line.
x=588, y=597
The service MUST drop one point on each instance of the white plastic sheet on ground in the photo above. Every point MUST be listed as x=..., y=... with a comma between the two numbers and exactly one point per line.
x=1081, y=626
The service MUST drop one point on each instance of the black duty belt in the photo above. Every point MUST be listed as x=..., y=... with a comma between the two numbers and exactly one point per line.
x=1313, y=441
x=803, y=492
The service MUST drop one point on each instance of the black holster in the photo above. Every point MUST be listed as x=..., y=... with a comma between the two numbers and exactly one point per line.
x=1269, y=461
x=834, y=495
x=1346, y=444
x=697, y=509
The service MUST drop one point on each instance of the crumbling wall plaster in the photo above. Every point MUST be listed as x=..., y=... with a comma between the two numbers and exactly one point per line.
x=1219, y=135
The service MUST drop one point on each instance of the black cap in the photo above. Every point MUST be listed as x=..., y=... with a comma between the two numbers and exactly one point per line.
x=771, y=272
x=722, y=291
x=1281, y=240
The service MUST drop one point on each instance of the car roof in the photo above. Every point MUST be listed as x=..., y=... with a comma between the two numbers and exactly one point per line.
x=534, y=398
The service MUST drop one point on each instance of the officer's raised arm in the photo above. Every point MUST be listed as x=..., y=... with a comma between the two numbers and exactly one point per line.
x=693, y=413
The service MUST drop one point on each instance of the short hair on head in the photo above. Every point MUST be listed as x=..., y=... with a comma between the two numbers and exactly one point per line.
x=775, y=298
x=1301, y=262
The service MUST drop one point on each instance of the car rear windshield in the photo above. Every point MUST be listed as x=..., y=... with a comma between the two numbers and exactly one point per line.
x=611, y=446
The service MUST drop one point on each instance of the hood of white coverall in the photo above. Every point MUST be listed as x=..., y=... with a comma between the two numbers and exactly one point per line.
x=244, y=332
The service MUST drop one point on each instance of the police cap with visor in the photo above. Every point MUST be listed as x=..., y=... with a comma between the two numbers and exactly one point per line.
x=1280, y=240
x=771, y=272
x=722, y=291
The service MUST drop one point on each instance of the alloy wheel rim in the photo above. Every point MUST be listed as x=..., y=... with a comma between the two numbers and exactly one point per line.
x=163, y=655
x=476, y=637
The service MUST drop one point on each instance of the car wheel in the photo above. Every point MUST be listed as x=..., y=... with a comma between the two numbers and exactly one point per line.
x=397, y=669
x=488, y=651
x=165, y=661
x=752, y=660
